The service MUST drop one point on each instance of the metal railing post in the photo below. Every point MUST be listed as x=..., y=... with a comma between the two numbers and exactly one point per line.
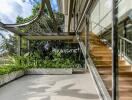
x=124, y=50
x=86, y=37
x=19, y=45
x=28, y=45
x=121, y=55
x=115, y=50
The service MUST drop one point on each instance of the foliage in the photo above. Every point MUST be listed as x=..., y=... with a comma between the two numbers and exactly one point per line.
x=33, y=60
x=9, y=44
x=61, y=49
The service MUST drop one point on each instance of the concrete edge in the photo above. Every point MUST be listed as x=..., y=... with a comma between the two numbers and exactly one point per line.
x=4, y=79
x=49, y=71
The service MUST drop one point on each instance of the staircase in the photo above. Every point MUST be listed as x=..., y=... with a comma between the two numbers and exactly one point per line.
x=102, y=57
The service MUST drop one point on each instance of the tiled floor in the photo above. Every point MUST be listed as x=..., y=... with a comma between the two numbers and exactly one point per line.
x=51, y=87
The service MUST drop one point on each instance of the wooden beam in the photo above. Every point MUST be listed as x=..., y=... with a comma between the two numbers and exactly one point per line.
x=11, y=29
x=68, y=37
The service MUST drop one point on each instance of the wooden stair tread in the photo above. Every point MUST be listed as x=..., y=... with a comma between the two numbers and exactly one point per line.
x=97, y=52
x=101, y=55
x=111, y=65
x=121, y=78
x=107, y=69
x=122, y=72
x=125, y=98
x=103, y=58
x=109, y=60
x=126, y=89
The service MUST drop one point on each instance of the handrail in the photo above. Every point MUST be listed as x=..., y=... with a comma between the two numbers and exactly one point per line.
x=125, y=39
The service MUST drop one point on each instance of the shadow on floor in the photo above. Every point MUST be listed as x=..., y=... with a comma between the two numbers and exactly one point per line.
x=48, y=98
x=66, y=91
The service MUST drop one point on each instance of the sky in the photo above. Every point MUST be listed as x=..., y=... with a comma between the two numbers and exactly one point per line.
x=10, y=9
x=54, y=5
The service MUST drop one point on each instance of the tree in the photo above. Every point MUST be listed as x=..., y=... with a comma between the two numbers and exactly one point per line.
x=19, y=20
x=43, y=24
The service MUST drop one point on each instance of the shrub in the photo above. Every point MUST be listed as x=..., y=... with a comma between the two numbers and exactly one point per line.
x=6, y=69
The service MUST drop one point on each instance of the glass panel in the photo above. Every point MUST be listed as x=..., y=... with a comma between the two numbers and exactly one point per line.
x=105, y=8
x=95, y=16
x=124, y=7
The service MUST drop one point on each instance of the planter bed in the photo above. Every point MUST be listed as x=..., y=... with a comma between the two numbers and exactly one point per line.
x=6, y=78
x=49, y=71
x=10, y=77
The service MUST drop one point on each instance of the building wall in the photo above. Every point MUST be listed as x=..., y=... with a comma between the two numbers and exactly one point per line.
x=63, y=8
x=101, y=16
